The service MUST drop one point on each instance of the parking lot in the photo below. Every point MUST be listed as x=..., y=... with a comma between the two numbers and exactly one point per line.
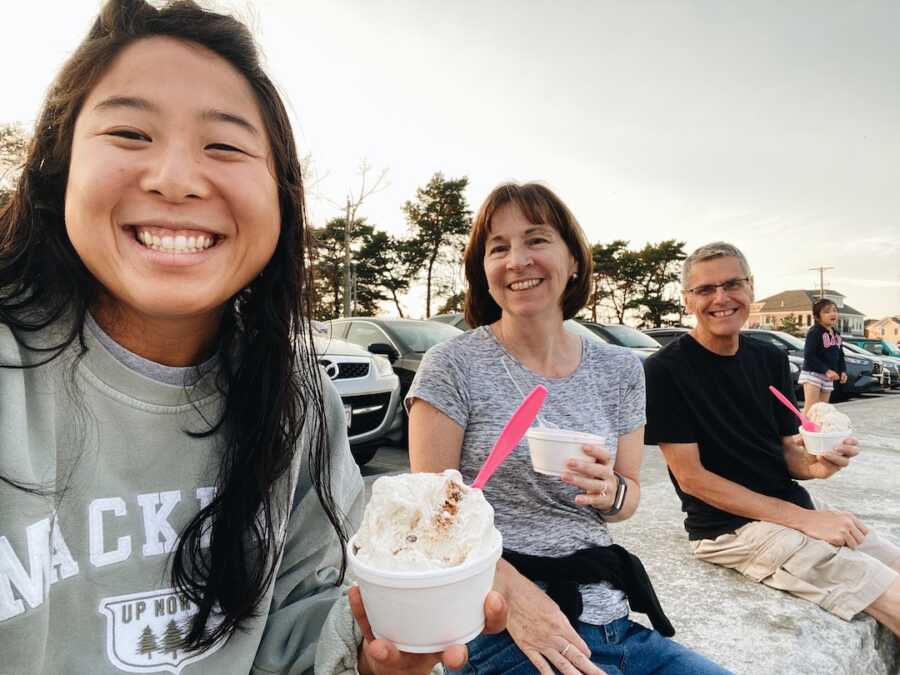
x=876, y=422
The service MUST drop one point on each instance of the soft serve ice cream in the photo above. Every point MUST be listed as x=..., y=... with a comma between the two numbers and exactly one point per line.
x=828, y=417
x=424, y=560
x=424, y=521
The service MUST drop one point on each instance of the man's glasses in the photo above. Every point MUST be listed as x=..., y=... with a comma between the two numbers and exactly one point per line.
x=730, y=286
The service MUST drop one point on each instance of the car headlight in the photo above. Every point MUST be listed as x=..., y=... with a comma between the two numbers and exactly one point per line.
x=856, y=362
x=382, y=366
x=794, y=368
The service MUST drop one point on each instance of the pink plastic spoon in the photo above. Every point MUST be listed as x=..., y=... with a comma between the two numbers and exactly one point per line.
x=511, y=435
x=804, y=422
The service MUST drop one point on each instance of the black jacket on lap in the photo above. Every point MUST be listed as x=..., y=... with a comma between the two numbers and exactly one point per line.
x=612, y=564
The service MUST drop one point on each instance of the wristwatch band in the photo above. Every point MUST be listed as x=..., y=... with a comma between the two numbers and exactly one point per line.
x=619, y=501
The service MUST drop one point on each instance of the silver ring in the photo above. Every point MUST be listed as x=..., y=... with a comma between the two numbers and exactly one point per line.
x=563, y=652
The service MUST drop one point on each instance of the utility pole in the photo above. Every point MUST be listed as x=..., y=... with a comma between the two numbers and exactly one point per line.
x=354, y=201
x=821, y=271
x=348, y=223
x=354, y=284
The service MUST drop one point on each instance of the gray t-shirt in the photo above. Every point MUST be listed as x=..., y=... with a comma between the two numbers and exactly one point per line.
x=466, y=380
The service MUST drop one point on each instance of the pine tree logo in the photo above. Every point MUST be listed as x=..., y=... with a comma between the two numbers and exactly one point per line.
x=145, y=632
x=172, y=639
x=148, y=644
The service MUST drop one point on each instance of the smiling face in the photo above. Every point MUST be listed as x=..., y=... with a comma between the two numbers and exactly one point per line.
x=527, y=266
x=720, y=315
x=171, y=201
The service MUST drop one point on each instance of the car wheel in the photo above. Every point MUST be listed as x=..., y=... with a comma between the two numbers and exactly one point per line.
x=364, y=453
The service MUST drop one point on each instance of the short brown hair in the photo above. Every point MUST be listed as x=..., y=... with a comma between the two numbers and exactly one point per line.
x=716, y=249
x=540, y=205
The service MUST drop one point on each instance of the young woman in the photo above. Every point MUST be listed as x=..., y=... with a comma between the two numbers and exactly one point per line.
x=175, y=479
x=823, y=356
x=528, y=267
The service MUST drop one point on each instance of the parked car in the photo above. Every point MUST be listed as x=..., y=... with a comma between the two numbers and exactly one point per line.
x=613, y=334
x=877, y=347
x=369, y=390
x=456, y=319
x=402, y=341
x=665, y=335
x=890, y=367
x=863, y=373
x=624, y=336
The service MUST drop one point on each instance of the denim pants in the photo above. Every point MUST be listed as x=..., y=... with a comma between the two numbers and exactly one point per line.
x=620, y=647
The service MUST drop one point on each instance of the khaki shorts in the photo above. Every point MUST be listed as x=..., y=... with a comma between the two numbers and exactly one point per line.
x=841, y=580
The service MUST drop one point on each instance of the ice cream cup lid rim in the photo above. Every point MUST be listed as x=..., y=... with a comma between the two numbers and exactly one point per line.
x=821, y=434
x=562, y=434
x=425, y=574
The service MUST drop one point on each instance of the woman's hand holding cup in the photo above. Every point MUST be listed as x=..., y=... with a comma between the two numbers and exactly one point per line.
x=381, y=657
x=593, y=474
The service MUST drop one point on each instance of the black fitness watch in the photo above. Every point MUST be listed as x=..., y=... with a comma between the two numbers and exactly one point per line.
x=619, y=501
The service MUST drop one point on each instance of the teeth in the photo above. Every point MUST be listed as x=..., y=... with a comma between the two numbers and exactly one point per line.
x=524, y=285
x=169, y=241
x=723, y=313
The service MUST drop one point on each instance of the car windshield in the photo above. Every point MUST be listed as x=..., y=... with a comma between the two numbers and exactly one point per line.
x=793, y=341
x=420, y=336
x=881, y=348
x=579, y=329
x=856, y=349
x=630, y=337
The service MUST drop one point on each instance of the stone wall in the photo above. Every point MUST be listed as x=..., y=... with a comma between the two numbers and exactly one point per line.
x=750, y=628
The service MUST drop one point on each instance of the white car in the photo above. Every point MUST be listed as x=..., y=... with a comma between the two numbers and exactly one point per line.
x=369, y=389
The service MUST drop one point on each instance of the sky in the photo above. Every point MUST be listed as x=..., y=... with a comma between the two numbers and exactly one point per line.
x=772, y=125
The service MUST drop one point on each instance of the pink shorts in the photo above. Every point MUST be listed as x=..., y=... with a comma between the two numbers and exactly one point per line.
x=817, y=379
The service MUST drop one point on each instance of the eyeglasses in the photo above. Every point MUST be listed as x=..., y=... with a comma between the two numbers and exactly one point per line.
x=731, y=286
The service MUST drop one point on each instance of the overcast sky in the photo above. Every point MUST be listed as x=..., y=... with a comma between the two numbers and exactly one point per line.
x=774, y=125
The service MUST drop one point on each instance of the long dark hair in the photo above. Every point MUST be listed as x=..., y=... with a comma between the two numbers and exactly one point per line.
x=268, y=372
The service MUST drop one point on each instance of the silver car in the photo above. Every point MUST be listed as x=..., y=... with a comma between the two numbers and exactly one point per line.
x=369, y=390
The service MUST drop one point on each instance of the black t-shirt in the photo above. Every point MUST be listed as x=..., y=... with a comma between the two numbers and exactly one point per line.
x=723, y=404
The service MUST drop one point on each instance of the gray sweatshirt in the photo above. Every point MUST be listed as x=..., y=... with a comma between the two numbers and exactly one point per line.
x=84, y=585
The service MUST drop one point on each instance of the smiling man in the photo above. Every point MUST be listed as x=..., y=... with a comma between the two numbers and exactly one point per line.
x=734, y=457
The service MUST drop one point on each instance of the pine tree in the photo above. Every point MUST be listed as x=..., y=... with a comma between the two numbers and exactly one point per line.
x=13, y=143
x=790, y=324
x=147, y=644
x=440, y=220
x=172, y=639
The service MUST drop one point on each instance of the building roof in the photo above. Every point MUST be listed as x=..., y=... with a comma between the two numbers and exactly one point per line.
x=800, y=301
x=881, y=322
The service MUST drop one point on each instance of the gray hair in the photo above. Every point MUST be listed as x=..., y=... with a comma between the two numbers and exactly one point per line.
x=716, y=249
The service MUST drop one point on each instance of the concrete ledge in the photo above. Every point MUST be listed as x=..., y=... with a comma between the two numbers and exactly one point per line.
x=750, y=628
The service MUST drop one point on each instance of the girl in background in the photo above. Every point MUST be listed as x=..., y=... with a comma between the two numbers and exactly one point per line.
x=823, y=356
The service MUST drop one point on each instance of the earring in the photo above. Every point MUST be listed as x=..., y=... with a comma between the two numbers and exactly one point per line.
x=574, y=276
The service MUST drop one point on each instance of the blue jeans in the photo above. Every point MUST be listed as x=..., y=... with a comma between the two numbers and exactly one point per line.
x=620, y=647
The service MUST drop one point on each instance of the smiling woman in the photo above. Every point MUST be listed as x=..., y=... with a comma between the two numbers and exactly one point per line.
x=528, y=267
x=175, y=479
x=155, y=158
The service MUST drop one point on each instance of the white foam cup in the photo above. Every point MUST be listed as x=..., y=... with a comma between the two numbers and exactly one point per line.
x=426, y=611
x=552, y=448
x=817, y=442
